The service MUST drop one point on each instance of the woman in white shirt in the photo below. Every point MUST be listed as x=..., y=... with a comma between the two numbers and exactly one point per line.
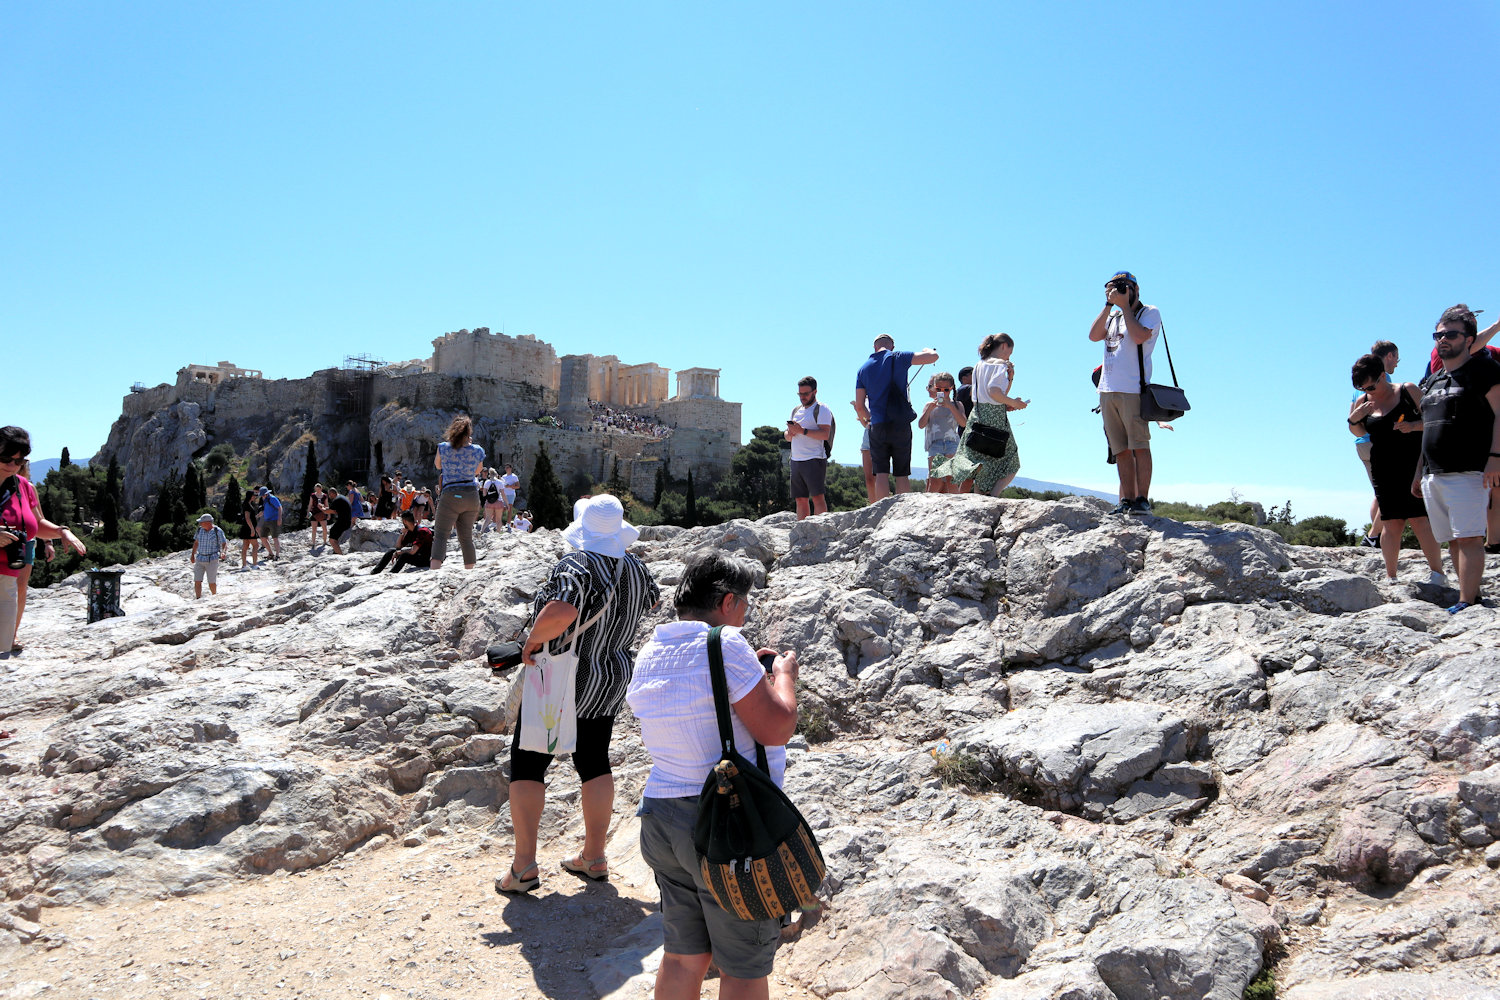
x=994, y=379
x=672, y=696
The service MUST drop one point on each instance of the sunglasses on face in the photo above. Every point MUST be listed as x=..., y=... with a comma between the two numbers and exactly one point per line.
x=14, y=459
x=1372, y=387
x=1449, y=335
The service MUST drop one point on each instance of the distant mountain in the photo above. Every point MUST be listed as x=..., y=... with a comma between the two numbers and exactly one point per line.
x=41, y=466
x=1036, y=485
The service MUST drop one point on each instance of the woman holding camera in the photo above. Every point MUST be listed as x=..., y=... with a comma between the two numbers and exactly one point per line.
x=987, y=458
x=672, y=696
x=21, y=521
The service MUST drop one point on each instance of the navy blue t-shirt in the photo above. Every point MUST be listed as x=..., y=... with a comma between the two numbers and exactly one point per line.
x=883, y=378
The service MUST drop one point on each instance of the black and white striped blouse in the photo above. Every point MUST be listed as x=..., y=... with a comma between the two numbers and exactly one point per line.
x=584, y=579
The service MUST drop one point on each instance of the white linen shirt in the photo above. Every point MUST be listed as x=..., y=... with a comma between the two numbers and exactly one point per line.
x=805, y=448
x=673, y=697
x=991, y=375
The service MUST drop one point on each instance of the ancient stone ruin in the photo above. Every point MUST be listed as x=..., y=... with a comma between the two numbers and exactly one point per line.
x=593, y=413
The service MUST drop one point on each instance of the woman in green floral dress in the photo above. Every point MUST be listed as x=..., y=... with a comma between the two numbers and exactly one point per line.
x=994, y=379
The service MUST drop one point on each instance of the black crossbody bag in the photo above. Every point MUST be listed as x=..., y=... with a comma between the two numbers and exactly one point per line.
x=1161, y=402
x=757, y=854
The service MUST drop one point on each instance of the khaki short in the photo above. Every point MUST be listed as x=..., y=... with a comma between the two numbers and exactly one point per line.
x=1123, y=425
x=206, y=568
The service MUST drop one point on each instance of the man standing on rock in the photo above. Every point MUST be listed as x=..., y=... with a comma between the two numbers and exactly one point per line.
x=270, y=521
x=1129, y=337
x=209, y=544
x=809, y=427
x=880, y=400
x=1460, y=461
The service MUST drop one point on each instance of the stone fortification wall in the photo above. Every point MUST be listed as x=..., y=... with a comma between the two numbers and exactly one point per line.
x=713, y=415
x=573, y=453
x=496, y=356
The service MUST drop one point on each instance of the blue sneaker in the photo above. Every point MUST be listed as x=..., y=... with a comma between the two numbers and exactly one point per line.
x=1461, y=605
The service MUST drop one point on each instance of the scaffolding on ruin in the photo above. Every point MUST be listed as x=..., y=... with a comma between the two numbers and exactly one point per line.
x=351, y=394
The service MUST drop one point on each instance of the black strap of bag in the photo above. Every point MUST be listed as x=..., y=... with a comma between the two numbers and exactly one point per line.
x=1140, y=353
x=721, y=701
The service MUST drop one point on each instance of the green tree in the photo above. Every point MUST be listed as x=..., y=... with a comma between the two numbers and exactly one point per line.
x=549, y=507
x=661, y=486
x=756, y=484
x=113, y=484
x=616, y=484
x=690, y=505
x=66, y=460
x=111, y=517
x=379, y=464
x=193, y=493
x=310, y=480
x=157, y=535
x=234, y=503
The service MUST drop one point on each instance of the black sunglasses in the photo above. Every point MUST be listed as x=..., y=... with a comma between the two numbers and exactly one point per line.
x=14, y=458
x=1449, y=335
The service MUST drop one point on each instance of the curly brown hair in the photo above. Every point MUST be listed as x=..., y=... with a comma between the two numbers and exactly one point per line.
x=460, y=431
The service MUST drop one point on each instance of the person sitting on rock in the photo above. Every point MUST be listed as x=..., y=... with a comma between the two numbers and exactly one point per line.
x=413, y=548
x=521, y=523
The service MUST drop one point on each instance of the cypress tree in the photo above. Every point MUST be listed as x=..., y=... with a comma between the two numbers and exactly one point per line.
x=310, y=479
x=661, y=486
x=66, y=459
x=690, y=507
x=194, y=496
x=548, y=505
x=379, y=465
x=161, y=513
x=233, y=504
x=111, y=518
x=112, y=482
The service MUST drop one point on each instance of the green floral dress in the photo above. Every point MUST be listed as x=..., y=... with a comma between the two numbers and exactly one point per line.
x=985, y=470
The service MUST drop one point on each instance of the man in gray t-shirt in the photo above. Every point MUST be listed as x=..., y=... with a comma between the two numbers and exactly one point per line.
x=1128, y=335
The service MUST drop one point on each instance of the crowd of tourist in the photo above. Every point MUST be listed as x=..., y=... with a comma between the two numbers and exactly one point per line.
x=608, y=420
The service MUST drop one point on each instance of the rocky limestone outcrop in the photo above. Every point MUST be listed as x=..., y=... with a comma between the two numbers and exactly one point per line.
x=1056, y=754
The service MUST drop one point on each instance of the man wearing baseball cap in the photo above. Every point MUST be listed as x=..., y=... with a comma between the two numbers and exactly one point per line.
x=1129, y=336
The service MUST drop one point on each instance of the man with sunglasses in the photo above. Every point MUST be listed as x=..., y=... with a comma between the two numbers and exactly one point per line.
x=1460, y=447
x=810, y=425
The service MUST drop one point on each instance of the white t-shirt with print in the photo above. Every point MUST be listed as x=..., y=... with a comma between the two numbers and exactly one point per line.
x=509, y=482
x=804, y=447
x=1122, y=369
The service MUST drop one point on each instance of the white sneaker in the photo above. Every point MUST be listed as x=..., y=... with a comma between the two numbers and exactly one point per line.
x=1437, y=579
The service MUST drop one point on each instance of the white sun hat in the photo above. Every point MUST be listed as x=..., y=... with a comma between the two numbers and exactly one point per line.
x=599, y=526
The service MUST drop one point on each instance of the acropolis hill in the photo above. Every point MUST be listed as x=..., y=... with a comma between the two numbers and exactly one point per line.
x=367, y=416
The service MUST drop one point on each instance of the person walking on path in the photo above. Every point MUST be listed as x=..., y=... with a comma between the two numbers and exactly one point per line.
x=1460, y=462
x=598, y=576
x=270, y=521
x=672, y=696
x=1129, y=336
x=458, y=462
x=880, y=399
x=342, y=516
x=1390, y=415
x=491, y=492
x=250, y=532
x=209, y=544
x=317, y=513
x=808, y=429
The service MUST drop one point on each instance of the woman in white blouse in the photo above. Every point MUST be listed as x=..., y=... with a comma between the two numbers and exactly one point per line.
x=994, y=380
x=672, y=696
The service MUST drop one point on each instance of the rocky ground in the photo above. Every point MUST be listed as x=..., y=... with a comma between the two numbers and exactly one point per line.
x=1052, y=755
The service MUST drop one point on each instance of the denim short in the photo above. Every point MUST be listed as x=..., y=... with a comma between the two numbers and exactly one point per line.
x=693, y=923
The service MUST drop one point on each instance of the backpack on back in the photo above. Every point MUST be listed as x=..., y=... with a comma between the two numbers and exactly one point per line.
x=491, y=491
x=832, y=427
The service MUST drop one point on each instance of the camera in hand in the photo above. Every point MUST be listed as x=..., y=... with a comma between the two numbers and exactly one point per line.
x=15, y=552
x=768, y=660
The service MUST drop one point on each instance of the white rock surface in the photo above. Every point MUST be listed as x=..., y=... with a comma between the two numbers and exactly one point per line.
x=1191, y=747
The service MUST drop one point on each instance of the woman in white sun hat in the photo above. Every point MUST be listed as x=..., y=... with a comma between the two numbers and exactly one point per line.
x=598, y=575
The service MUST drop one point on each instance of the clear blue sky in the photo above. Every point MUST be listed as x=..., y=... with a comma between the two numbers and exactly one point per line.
x=758, y=188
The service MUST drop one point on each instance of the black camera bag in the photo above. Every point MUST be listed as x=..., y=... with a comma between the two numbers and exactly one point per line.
x=987, y=440
x=1161, y=402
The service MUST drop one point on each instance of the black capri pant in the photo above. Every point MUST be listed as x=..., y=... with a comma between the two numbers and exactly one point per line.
x=590, y=760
